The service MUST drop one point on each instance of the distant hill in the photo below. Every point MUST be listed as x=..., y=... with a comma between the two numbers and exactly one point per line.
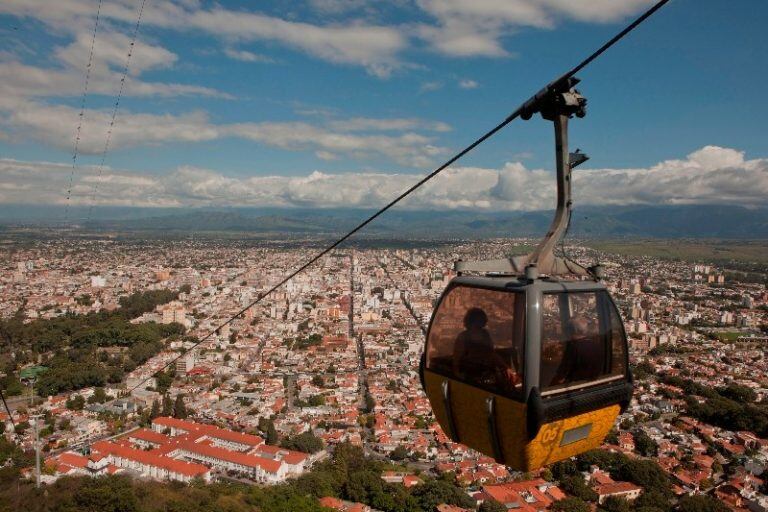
x=690, y=221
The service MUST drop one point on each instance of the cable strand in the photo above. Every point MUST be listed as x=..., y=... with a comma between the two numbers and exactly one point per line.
x=514, y=115
x=8, y=410
x=82, y=112
x=131, y=48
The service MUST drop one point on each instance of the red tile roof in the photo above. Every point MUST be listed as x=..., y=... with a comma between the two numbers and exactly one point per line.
x=73, y=459
x=250, y=461
x=144, y=434
x=150, y=459
x=525, y=496
x=209, y=430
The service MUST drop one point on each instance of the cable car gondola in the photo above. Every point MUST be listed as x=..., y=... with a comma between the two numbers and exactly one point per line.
x=528, y=363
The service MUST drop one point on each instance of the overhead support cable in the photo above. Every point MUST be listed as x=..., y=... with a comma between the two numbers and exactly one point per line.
x=8, y=410
x=526, y=110
x=82, y=112
x=110, y=128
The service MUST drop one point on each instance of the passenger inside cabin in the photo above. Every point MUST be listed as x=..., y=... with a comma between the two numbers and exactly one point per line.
x=474, y=359
x=584, y=356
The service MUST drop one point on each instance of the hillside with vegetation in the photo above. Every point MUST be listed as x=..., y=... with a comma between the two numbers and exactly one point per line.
x=348, y=475
x=84, y=350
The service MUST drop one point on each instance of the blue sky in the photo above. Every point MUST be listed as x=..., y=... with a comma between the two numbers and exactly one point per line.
x=317, y=102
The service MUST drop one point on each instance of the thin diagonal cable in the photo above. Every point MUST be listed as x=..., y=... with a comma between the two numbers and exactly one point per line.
x=82, y=111
x=8, y=410
x=116, y=107
x=525, y=107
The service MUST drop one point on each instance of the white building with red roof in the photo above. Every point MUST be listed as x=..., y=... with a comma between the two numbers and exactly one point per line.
x=183, y=450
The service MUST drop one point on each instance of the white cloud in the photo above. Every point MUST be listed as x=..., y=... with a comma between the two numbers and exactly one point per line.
x=246, y=56
x=53, y=125
x=468, y=84
x=374, y=124
x=111, y=52
x=458, y=28
x=19, y=80
x=371, y=46
x=477, y=28
x=410, y=149
x=431, y=86
x=708, y=176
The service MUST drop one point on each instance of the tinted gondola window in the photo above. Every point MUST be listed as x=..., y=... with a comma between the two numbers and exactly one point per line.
x=477, y=337
x=582, y=340
x=618, y=340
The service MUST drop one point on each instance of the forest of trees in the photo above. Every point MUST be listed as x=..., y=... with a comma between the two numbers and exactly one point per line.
x=305, y=442
x=348, y=475
x=72, y=346
x=657, y=493
x=732, y=407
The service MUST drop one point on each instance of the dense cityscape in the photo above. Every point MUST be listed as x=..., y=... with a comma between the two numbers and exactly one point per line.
x=106, y=375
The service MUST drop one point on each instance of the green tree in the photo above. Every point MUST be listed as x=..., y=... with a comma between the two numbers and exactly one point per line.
x=738, y=393
x=267, y=427
x=154, y=412
x=108, y=494
x=700, y=503
x=570, y=505
x=76, y=403
x=644, y=445
x=645, y=473
x=653, y=499
x=305, y=442
x=179, y=409
x=370, y=403
x=563, y=469
x=167, y=409
x=491, y=505
x=12, y=385
x=576, y=486
x=316, y=400
x=164, y=380
x=616, y=504
x=432, y=493
x=399, y=453
x=99, y=396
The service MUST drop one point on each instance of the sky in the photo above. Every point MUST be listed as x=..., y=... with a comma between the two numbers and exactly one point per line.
x=329, y=103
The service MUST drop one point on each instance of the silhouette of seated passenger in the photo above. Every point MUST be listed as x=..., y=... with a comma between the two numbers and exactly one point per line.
x=584, y=357
x=474, y=359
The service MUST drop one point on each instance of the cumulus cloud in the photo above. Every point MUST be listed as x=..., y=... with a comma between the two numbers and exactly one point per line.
x=711, y=175
x=374, y=47
x=20, y=81
x=358, y=138
x=431, y=86
x=456, y=28
x=246, y=56
x=475, y=28
x=468, y=84
x=366, y=123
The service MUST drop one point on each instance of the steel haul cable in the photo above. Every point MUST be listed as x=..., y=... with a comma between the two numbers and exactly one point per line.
x=131, y=48
x=82, y=112
x=8, y=410
x=523, y=109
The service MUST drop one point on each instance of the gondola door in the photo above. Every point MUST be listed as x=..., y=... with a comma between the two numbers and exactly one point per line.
x=583, y=355
x=473, y=370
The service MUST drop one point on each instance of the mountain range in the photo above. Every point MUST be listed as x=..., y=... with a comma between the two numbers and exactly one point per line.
x=680, y=221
